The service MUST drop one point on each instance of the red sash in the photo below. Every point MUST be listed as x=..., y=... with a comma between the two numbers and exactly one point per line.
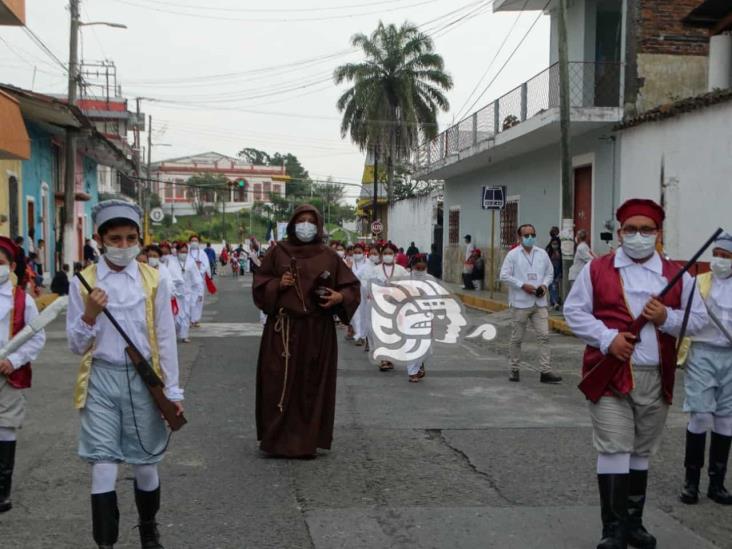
x=210, y=286
x=21, y=377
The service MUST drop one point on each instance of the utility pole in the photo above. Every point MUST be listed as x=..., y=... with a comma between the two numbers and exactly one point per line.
x=567, y=228
x=70, y=160
x=148, y=190
x=376, y=182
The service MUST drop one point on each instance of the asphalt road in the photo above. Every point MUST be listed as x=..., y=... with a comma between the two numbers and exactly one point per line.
x=463, y=460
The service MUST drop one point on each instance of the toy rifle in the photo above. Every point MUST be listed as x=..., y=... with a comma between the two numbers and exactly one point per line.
x=595, y=383
x=153, y=383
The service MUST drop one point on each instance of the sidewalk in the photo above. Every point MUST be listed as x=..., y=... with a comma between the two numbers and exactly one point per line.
x=482, y=300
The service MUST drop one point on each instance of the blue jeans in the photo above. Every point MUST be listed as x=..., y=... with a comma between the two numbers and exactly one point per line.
x=554, y=291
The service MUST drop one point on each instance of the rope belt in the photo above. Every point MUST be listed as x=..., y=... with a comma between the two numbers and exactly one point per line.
x=282, y=327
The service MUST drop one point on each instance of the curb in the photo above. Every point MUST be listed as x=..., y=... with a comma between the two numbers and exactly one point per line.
x=492, y=306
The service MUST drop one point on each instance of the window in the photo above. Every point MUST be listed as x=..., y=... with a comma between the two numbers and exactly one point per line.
x=267, y=191
x=276, y=189
x=509, y=223
x=454, y=226
x=258, y=192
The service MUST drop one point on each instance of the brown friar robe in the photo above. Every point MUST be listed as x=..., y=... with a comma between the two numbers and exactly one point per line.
x=298, y=356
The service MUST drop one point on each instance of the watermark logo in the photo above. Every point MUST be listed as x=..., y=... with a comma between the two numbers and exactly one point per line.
x=409, y=315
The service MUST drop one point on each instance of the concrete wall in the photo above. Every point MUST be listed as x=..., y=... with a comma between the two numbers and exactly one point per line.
x=695, y=151
x=412, y=220
x=668, y=78
x=533, y=179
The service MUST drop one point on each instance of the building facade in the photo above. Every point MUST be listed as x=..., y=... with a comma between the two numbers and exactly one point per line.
x=626, y=57
x=247, y=184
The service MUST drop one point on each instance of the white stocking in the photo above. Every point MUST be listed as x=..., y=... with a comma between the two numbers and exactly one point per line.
x=700, y=422
x=7, y=434
x=639, y=463
x=613, y=464
x=146, y=477
x=723, y=425
x=104, y=477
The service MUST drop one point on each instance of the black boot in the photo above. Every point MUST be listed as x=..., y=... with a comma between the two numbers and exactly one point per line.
x=718, y=456
x=7, y=464
x=638, y=536
x=614, y=505
x=693, y=461
x=105, y=519
x=148, y=504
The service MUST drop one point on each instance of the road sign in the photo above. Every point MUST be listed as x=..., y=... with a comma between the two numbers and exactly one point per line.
x=157, y=215
x=377, y=227
x=493, y=198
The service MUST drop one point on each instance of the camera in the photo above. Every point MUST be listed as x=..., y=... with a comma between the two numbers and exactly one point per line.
x=539, y=292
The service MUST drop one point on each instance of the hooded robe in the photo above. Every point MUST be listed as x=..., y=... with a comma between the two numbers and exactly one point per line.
x=298, y=356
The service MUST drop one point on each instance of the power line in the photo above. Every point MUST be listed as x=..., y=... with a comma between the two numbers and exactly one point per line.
x=274, y=10
x=272, y=19
x=495, y=57
x=523, y=39
x=45, y=48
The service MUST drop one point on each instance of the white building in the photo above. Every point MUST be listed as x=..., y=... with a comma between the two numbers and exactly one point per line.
x=621, y=61
x=247, y=183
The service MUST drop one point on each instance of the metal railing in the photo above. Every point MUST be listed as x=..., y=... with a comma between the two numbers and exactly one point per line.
x=590, y=85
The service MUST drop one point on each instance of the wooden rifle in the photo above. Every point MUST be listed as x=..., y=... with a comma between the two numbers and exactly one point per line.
x=153, y=383
x=596, y=382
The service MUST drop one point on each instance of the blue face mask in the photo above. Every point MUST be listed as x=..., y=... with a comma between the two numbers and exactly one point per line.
x=528, y=240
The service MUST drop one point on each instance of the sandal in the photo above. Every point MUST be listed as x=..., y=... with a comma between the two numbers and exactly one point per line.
x=421, y=372
x=414, y=379
x=384, y=366
x=359, y=343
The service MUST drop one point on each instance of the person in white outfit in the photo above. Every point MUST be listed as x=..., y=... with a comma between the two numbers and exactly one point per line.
x=383, y=272
x=358, y=322
x=199, y=260
x=416, y=370
x=192, y=289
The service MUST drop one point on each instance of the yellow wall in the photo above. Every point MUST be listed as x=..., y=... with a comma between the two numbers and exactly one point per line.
x=13, y=166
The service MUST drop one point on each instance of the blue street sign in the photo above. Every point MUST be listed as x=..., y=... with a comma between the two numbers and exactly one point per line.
x=493, y=198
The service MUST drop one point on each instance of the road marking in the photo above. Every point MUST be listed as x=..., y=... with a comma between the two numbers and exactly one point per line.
x=207, y=329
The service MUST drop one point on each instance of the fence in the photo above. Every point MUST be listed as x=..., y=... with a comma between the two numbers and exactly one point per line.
x=590, y=85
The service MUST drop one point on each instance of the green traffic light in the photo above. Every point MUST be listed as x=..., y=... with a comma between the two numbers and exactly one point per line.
x=241, y=183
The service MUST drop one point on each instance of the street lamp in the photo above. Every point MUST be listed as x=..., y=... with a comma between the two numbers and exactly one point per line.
x=104, y=23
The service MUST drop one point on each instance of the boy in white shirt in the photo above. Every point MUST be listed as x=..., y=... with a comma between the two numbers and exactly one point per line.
x=119, y=420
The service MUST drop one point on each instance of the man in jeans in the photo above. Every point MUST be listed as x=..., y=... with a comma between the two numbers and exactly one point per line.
x=528, y=272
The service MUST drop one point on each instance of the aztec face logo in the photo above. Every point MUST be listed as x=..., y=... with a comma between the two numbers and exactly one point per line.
x=408, y=315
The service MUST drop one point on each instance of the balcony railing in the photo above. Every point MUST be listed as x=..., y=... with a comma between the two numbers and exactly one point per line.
x=590, y=85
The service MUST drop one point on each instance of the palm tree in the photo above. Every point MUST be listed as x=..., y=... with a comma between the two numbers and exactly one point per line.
x=396, y=93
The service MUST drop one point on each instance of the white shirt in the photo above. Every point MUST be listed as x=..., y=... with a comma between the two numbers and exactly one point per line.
x=469, y=249
x=172, y=264
x=29, y=351
x=521, y=268
x=192, y=281
x=127, y=305
x=582, y=257
x=641, y=281
x=719, y=302
x=200, y=258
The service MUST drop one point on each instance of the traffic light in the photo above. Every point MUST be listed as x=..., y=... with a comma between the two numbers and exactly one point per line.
x=241, y=183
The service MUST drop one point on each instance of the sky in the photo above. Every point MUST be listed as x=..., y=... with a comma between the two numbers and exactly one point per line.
x=221, y=75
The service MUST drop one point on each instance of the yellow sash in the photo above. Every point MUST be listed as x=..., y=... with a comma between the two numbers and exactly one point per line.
x=704, y=283
x=150, y=281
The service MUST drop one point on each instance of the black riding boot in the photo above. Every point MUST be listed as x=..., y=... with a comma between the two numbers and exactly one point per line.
x=718, y=456
x=614, y=505
x=7, y=464
x=693, y=461
x=148, y=504
x=638, y=536
x=105, y=519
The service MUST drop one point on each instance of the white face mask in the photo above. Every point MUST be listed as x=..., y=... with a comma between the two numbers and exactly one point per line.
x=341, y=253
x=121, y=257
x=721, y=267
x=153, y=261
x=639, y=246
x=4, y=273
x=193, y=245
x=182, y=256
x=305, y=231
x=374, y=259
x=357, y=257
x=419, y=274
x=388, y=259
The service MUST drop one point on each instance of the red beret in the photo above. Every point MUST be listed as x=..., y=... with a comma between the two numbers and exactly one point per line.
x=11, y=247
x=641, y=206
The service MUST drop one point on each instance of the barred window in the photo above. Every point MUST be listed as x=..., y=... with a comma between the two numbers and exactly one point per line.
x=509, y=224
x=454, y=226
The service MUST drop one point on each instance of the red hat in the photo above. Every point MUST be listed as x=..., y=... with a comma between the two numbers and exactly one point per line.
x=389, y=246
x=9, y=246
x=641, y=206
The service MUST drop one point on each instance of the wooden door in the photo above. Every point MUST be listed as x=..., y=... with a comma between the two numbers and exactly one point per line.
x=14, y=219
x=583, y=201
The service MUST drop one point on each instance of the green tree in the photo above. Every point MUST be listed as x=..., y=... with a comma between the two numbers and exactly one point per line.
x=255, y=156
x=396, y=93
x=203, y=189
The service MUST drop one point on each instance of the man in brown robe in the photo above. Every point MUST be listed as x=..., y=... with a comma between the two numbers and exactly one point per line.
x=298, y=356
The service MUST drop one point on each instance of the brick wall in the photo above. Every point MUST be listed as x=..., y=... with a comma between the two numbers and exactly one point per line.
x=662, y=32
